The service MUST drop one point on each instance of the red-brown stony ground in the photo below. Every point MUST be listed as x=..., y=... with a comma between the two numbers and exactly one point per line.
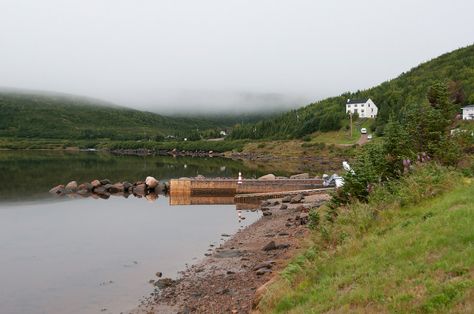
x=226, y=281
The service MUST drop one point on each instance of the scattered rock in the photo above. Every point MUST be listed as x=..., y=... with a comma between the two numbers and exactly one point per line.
x=272, y=246
x=283, y=206
x=304, y=218
x=223, y=291
x=164, y=283
x=267, y=213
x=159, y=274
x=200, y=177
x=263, y=271
x=267, y=177
x=151, y=182
x=268, y=265
x=286, y=199
x=297, y=199
x=228, y=253
x=302, y=208
x=265, y=203
x=225, y=235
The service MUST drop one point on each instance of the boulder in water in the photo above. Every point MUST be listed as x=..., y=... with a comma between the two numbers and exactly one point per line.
x=96, y=183
x=151, y=182
x=105, y=181
x=71, y=186
x=59, y=189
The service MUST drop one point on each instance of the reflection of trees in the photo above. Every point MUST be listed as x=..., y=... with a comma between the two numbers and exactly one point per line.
x=30, y=174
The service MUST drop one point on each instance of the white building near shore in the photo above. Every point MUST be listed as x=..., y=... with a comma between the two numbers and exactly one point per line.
x=365, y=108
x=468, y=112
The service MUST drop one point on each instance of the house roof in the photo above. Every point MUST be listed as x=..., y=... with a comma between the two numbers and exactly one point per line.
x=357, y=101
x=468, y=107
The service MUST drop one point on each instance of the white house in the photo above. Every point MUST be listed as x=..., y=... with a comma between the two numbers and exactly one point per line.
x=365, y=108
x=468, y=112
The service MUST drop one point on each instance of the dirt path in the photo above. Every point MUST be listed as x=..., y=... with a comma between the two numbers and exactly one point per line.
x=363, y=139
x=226, y=281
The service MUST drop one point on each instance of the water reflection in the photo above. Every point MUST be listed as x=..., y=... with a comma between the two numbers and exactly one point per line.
x=85, y=253
x=28, y=175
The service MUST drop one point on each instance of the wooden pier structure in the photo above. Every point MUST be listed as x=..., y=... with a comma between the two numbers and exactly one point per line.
x=230, y=191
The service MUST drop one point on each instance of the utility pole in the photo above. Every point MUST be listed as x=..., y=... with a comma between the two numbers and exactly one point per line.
x=350, y=115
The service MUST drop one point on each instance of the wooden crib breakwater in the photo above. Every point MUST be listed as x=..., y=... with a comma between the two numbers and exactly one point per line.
x=195, y=191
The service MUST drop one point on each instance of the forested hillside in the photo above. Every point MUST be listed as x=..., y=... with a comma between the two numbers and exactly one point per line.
x=456, y=69
x=57, y=116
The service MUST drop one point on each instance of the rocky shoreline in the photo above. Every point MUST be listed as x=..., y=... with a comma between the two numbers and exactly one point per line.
x=232, y=277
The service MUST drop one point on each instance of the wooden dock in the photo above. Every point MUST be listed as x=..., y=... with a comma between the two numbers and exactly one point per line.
x=220, y=191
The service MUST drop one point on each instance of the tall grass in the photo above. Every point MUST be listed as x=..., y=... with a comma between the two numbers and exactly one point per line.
x=409, y=249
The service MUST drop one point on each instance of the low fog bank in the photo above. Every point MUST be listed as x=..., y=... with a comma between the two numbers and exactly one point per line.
x=210, y=103
x=186, y=103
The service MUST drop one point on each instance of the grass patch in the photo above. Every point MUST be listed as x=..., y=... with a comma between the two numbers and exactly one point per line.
x=409, y=250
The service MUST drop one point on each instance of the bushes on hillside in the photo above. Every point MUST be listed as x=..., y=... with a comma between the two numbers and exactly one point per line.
x=421, y=133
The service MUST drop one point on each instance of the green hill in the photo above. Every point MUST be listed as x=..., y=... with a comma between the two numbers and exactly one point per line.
x=57, y=116
x=455, y=69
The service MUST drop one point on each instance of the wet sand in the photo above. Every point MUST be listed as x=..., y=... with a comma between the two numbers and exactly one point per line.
x=227, y=279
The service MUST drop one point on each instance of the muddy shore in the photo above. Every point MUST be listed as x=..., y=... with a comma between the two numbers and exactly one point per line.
x=227, y=279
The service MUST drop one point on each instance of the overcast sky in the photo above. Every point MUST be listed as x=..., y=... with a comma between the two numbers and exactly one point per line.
x=214, y=55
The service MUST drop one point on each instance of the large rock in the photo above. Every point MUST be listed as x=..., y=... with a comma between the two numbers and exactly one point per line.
x=140, y=189
x=297, y=199
x=151, y=182
x=85, y=187
x=160, y=188
x=105, y=181
x=71, y=186
x=286, y=199
x=267, y=177
x=300, y=176
x=116, y=188
x=100, y=190
x=59, y=189
x=96, y=183
x=126, y=186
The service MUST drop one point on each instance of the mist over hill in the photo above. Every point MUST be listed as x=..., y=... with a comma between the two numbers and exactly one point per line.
x=456, y=69
x=49, y=115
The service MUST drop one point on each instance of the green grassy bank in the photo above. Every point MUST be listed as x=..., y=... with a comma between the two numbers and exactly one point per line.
x=410, y=249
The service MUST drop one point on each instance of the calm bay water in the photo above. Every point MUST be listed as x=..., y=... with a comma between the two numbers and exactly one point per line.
x=63, y=255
